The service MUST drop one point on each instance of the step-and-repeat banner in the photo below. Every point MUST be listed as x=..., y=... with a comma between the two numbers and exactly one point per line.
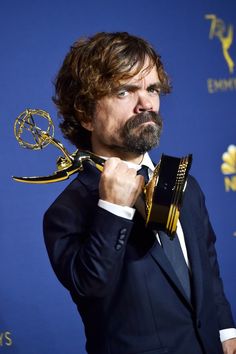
x=197, y=41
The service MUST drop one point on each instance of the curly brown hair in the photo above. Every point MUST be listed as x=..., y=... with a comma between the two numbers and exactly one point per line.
x=94, y=68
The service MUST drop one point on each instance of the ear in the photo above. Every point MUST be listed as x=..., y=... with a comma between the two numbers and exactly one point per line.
x=88, y=125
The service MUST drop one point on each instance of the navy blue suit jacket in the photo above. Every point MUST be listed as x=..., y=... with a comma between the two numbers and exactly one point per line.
x=128, y=296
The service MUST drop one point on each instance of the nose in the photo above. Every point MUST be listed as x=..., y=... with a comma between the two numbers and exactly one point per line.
x=144, y=103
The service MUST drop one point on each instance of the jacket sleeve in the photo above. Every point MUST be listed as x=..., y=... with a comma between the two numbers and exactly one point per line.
x=224, y=314
x=86, y=244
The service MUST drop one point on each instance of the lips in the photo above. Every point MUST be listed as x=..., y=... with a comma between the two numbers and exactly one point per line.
x=147, y=122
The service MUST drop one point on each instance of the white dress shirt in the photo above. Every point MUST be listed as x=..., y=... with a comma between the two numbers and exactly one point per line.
x=128, y=213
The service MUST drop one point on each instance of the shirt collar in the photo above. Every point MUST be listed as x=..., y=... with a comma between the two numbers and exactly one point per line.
x=146, y=161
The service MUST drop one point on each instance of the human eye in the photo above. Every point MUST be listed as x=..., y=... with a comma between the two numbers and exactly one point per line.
x=122, y=93
x=154, y=90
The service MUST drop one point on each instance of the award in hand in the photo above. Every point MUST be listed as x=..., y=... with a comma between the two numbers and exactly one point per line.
x=34, y=130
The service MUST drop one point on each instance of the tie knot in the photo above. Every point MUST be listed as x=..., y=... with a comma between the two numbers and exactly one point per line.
x=143, y=171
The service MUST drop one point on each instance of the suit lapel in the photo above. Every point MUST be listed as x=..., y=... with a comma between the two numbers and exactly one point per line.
x=159, y=256
x=190, y=230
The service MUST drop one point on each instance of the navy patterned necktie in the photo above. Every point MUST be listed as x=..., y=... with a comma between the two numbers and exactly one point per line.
x=175, y=256
x=143, y=171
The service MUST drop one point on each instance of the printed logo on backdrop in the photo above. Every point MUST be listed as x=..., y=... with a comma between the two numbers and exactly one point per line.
x=228, y=169
x=5, y=339
x=223, y=33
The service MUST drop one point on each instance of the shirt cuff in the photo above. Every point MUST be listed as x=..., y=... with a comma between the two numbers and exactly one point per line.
x=119, y=210
x=227, y=333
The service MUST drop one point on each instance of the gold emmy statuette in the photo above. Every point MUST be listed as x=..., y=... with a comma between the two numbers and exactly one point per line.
x=31, y=136
x=163, y=193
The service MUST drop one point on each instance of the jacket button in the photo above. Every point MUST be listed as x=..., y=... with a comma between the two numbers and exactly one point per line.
x=118, y=246
x=123, y=234
x=122, y=237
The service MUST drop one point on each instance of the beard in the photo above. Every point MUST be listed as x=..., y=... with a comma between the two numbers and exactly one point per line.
x=140, y=139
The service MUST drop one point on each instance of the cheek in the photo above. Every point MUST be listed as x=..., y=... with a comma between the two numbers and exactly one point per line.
x=105, y=127
x=113, y=118
x=156, y=104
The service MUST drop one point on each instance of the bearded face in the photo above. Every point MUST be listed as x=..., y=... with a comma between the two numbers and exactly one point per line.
x=127, y=123
x=142, y=132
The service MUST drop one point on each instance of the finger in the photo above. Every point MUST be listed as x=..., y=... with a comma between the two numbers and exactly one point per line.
x=111, y=163
x=140, y=183
x=141, y=180
x=131, y=172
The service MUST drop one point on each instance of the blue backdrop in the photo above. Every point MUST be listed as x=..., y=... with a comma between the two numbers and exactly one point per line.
x=195, y=39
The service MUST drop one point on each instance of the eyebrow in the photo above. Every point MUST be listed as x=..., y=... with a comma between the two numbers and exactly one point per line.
x=134, y=87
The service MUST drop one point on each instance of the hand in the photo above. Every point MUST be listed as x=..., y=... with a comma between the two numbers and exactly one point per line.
x=229, y=346
x=120, y=184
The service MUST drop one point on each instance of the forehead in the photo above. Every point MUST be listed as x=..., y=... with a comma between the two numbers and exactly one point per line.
x=148, y=73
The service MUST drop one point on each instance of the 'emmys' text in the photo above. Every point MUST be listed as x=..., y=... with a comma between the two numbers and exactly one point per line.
x=5, y=339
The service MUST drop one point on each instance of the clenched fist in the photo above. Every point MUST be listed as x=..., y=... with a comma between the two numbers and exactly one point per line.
x=120, y=184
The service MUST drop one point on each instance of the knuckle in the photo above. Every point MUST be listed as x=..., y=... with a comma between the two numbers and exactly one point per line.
x=111, y=161
x=114, y=160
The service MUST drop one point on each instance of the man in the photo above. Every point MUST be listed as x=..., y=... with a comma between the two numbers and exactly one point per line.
x=117, y=270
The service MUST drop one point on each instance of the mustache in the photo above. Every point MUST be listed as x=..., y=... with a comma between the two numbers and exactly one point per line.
x=143, y=117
